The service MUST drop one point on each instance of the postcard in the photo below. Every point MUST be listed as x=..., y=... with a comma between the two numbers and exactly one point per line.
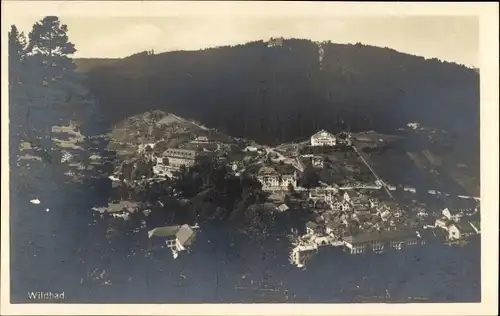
x=247, y=158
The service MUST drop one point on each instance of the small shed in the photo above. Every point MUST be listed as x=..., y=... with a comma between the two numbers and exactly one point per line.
x=184, y=237
x=283, y=208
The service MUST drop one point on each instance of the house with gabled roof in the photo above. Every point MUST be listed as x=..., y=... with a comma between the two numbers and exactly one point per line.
x=279, y=178
x=179, y=238
x=458, y=231
x=184, y=237
x=323, y=138
x=268, y=177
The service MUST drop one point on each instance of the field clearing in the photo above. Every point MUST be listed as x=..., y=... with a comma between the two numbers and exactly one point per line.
x=398, y=168
x=368, y=139
x=433, y=159
x=461, y=174
x=418, y=160
x=468, y=182
x=347, y=168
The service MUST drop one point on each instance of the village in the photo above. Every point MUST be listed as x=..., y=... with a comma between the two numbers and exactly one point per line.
x=350, y=206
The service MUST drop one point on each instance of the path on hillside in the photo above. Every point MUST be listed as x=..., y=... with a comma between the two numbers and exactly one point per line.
x=293, y=162
x=373, y=172
x=184, y=120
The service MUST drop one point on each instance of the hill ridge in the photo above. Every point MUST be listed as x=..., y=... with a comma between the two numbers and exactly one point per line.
x=275, y=95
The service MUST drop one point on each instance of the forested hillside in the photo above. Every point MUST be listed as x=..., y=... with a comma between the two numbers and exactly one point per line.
x=288, y=91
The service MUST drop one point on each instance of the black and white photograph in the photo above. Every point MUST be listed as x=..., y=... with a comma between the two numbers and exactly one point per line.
x=249, y=153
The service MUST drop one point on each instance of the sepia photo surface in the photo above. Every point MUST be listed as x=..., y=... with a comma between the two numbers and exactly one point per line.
x=269, y=154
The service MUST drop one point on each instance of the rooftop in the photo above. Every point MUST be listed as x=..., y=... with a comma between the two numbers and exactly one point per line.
x=187, y=153
x=464, y=227
x=333, y=225
x=379, y=236
x=285, y=169
x=283, y=207
x=166, y=231
x=311, y=225
x=267, y=171
x=185, y=235
x=323, y=133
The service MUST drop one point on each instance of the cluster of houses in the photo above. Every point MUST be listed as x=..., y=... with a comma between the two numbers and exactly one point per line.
x=456, y=228
x=359, y=225
x=204, y=147
x=274, y=180
x=346, y=217
x=167, y=160
x=352, y=214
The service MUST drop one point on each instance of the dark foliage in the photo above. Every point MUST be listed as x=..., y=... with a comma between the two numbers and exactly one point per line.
x=277, y=94
x=44, y=89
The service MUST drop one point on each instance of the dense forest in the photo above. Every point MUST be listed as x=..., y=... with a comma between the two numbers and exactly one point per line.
x=284, y=92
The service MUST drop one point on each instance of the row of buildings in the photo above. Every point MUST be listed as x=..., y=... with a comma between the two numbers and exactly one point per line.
x=378, y=241
x=167, y=160
x=173, y=159
x=334, y=228
x=373, y=226
x=366, y=242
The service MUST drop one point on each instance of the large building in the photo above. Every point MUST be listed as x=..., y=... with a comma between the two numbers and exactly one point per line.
x=323, y=138
x=268, y=177
x=175, y=158
x=273, y=180
x=378, y=240
x=323, y=194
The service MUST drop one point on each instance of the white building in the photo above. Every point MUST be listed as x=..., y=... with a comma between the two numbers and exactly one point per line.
x=410, y=189
x=201, y=139
x=269, y=178
x=283, y=208
x=179, y=238
x=317, y=161
x=457, y=231
x=272, y=180
x=325, y=194
x=177, y=157
x=288, y=180
x=323, y=138
x=452, y=215
x=275, y=42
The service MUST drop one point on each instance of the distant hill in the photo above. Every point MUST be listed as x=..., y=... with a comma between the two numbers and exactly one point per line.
x=85, y=64
x=287, y=91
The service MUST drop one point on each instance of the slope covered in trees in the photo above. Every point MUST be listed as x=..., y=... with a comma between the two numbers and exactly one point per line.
x=286, y=92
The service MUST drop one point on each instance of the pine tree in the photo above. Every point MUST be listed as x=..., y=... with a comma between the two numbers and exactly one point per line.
x=50, y=81
x=17, y=50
